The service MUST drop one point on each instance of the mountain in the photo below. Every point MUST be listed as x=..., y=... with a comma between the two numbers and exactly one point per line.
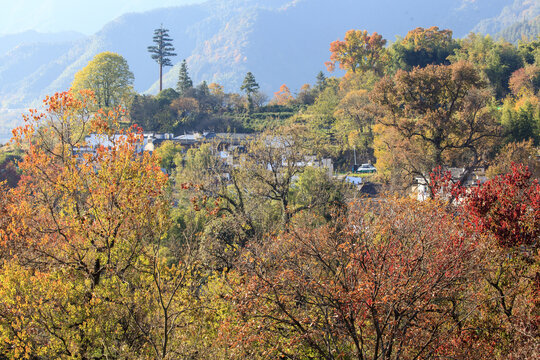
x=280, y=41
x=8, y=42
x=520, y=11
x=527, y=29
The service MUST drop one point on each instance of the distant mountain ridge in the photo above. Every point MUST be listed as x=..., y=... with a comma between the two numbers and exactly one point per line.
x=517, y=12
x=523, y=30
x=8, y=42
x=280, y=41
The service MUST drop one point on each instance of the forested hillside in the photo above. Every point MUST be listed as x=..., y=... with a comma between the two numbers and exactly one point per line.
x=389, y=209
x=524, y=30
x=515, y=11
x=222, y=40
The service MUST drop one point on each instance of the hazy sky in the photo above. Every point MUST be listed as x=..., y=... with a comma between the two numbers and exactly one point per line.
x=86, y=16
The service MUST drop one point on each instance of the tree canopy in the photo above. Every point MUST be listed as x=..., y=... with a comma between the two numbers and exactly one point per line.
x=184, y=81
x=162, y=51
x=440, y=116
x=224, y=244
x=359, y=51
x=109, y=77
x=250, y=87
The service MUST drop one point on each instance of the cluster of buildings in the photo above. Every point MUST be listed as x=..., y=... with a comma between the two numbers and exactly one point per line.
x=421, y=190
x=152, y=141
x=225, y=145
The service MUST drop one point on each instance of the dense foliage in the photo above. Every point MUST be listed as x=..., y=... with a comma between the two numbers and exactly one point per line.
x=255, y=248
x=109, y=77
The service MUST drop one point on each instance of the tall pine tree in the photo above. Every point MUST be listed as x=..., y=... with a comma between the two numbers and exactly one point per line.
x=250, y=87
x=321, y=81
x=162, y=51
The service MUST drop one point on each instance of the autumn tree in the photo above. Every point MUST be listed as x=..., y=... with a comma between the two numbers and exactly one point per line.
x=306, y=95
x=507, y=207
x=283, y=96
x=422, y=47
x=523, y=152
x=109, y=77
x=89, y=277
x=185, y=106
x=359, y=51
x=217, y=92
x=354, y=123
x=437, y=116
x=526, y=79
x=162, y=51
x=216, y=89
x=384, y=281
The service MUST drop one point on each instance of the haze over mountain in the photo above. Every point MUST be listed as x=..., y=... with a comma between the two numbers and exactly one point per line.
x=519, y=11
x=67, y=15
x=280, y=41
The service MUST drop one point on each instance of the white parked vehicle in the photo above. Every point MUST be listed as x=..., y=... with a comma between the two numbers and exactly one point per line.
x=366, y=169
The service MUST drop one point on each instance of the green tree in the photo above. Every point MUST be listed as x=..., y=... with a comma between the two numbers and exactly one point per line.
x=250, y=87
x=184, y=81
x=321, y=81
x=497, y=60
x=203, y=89
x=109, y=77
x=162, y=51
x=166, y=97
x=319, y=119
x=530, y=51
x=521, y=120
x=167, y=153
x=142, y=111
x=422, y=47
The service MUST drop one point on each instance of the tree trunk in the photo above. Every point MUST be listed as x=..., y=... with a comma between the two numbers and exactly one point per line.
x=160, y=77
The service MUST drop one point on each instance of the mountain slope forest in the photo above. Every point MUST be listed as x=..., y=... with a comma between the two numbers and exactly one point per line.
x=222, y=40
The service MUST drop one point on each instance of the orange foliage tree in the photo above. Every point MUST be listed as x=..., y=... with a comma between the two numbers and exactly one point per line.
x=359, y=51
x=283, y=96
x=86, y=277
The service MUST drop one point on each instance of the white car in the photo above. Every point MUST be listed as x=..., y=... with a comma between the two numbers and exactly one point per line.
x=366, y=168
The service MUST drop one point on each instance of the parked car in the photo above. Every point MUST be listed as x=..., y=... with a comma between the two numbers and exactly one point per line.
x=366, y=169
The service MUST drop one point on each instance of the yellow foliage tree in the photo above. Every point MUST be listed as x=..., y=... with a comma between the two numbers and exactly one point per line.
x=109, y=77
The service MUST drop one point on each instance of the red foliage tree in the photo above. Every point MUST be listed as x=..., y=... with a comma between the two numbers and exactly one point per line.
x=509, y=207
x=383, y=282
